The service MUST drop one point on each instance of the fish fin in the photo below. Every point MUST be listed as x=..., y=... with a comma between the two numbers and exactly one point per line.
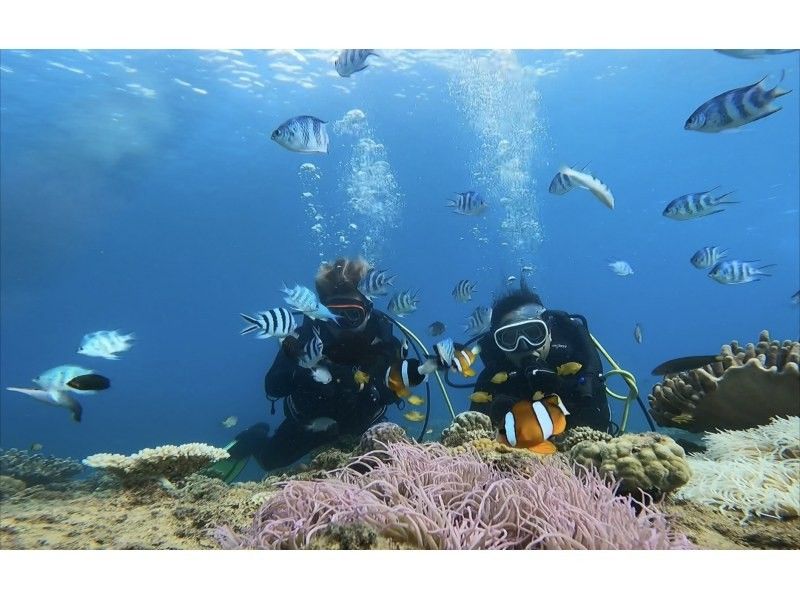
x=544, y=448
x=767, y=113
x=778, y=92
x=469, y=372
x=715, y=211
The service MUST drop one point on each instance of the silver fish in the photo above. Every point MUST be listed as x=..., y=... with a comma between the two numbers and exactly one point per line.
x=403, y=303
x=463, y=290
x=352, y=61
x=479, y=321
x=637, y=333
x=305, y=300
x=304, y=134
x=230, y=421
x=737, y=272
x=58, y=398
x=696, y=205
x=376, y=283
x=621, y=268
x=735, y=108
x=708, y=256
x=468, y=203
x=105, y=344
x=278, y=322
x=322, y=424
x=57, y=378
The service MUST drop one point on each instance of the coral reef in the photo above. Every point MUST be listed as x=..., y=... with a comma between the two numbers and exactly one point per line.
x=381, y=434
x=469, y=425
x=573, y=436
x=746, y=388
x=10, y=486
x=35, y=468
x=650, y=462
x=428, y=498
x=168, y=462
x=755, y=471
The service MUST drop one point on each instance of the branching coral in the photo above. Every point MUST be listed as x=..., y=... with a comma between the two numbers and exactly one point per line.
x=467, y=426
x=756, y=471
x=426, y=497
x=34, y=468
x=744, y=389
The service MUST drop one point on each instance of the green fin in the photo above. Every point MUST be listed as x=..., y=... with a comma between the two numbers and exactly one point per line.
x=228, y=469
x=682, y=364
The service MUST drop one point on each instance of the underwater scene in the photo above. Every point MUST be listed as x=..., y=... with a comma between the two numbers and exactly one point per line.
x=399, y=299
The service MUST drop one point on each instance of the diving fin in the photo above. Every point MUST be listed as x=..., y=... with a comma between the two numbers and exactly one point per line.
x=228, y=469
x=682, y=364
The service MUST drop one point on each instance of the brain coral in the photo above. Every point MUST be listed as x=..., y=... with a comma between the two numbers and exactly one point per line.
x=467, y=426
x=381, y=434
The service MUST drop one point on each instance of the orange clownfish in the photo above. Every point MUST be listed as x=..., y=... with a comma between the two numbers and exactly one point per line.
x=457, y=357
x=529, y=425
x=403, y=375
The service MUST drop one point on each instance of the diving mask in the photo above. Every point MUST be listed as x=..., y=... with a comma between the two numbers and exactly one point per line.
x=350, y=312
x=534, y=332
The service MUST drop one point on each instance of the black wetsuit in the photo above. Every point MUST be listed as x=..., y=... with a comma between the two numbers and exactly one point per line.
x=583, y=394
x=372, y=351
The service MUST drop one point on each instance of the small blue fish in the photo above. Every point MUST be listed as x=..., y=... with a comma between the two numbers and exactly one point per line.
x=375, y=283
x=735, y=108
x=463, y=291
x=403, y=303
x=737, y=272
x=707, y=256
x=468, y=203
x=304, y=134
x=696, y=205
x=352, y=61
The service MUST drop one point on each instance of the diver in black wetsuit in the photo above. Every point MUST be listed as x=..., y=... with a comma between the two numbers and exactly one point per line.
x=523, y=351
x=359, y=349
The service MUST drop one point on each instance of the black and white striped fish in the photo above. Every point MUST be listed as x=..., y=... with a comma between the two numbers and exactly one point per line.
x=463, y=290
x=735, y=108
x=304, y=134
x=403, y=303
x=375, y=283
x=708, y=256
x=312, y=352
x=278, y=322
x=479, y=321
x=737, y=272
x=696, y=205
x=352, y=61
x=561, y=184
x=469, y=203
x=305, y=300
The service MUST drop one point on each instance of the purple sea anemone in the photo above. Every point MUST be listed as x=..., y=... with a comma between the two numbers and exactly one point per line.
x=429, y=498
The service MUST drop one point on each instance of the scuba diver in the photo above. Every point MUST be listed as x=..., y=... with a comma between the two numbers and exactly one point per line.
x=540, y=366
x=360, y=368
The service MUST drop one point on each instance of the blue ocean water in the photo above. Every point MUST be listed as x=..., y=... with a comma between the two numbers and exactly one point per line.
x=141, y=191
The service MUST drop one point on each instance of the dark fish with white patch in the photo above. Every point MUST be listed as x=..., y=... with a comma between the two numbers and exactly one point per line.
x=89, y=382
x=735, y=108
x=637, y=333
x=436, y=328
x=278, y=322
x=463, y=290
x=707, y=256
x=303, y=134
x=468, y=203
x=737, y=272
x=696, y=205
x=376, y=283
x=352, y=61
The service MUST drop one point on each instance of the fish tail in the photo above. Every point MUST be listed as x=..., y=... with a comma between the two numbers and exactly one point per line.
x=254, y=324
x=778, y=91
x=717, y=200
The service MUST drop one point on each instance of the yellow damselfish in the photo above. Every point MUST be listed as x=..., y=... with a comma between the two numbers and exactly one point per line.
x=360, y=378
x=569, y=368
x=480, y=397
x=499, y=377
x=415, y=400
x=414, y=416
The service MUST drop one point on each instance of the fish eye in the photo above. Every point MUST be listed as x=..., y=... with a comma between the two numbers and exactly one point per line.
x=276, y=133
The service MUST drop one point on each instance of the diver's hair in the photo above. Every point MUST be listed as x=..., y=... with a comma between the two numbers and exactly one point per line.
x=341, y=276
x=507, y=303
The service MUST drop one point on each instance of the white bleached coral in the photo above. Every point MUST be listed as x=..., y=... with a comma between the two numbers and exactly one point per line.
x=754, y=471
x=168, y=462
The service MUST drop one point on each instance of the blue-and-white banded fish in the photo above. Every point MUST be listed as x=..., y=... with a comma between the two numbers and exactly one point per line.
x=585, y=180
x=57, y=398
x=304, y=134
x=621, y=268
x=479, y=321
x=352, y=61
x=735, y=108
x=456, y=357
x=105, y=344
x=696, y=205
x=376, y=283
x=403, y=303
x=749, y=54
x=707, y=256
x=305, y=300
x=463, y=290
x=277, y=322
x=737, y=272
x=311, y=357
x=58, y=378
x=561, y=184
x=468, y=203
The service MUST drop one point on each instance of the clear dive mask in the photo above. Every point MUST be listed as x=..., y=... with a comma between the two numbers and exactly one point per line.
x=534, y=332
x=350, y=312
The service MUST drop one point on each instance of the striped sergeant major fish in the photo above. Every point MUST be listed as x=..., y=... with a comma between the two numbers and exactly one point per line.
x=479, y=321
x=737, y=272
x=403, y=303
x=569, y=178
x=305, y=300
x=376, y=283
x=707, y=256
x=561, y=184
x=735, y=108
x=463, y=290
x=468, y=203
x=304, y=134
x=696, y=205
x=352, y=61
x=456, y=357
x=311, y=357
x=277, y=322
x=530, y=424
